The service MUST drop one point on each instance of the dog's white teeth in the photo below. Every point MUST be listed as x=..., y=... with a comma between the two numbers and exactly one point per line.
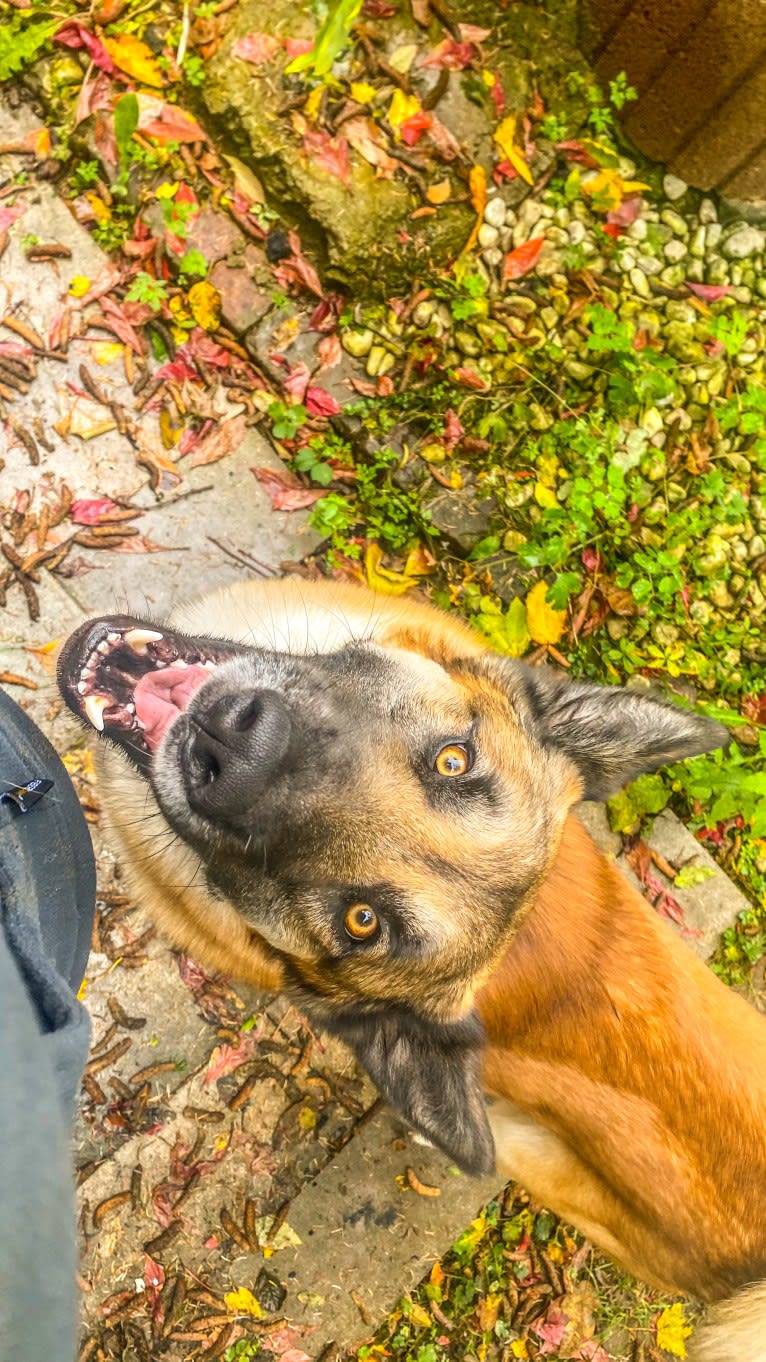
x=130, y=707
x=137, y=639
x=82, y=687
x=94, y=710
x=102, y=647
x=85, y=674
x=208, y=665
x=113, y=637
x=179, y=662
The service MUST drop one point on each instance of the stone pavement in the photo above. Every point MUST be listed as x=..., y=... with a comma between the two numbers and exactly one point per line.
x=220, y=1143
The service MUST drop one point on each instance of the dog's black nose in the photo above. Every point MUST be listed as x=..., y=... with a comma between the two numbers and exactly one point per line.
x=239, y=743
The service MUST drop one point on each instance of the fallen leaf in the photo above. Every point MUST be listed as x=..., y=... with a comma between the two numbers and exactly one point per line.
x=93, y=511
x=412, y=129
x=709, y=293
x=607, y=188
x=74, y=35
x=504, y=135
x=166, y=122
x=226, y=1058
x=135, y=58
x=401, y=108
x=546, y=625
x=330, y=153
x=243, y=1302
x=320, y=403
x=205, y=305
x=285, y=491
x=450, y=55
x=383, y=579
x=672, y=1330
x=257, y=48
x=368, y=139
x=222, y=440
x=439, y=192
x=520, y=261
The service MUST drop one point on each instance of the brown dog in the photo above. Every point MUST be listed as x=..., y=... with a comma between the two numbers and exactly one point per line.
x=368, y=810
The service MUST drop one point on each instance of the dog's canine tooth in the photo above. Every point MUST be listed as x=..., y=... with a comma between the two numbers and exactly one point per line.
x=137, y=639
x=82, y=688
x=113, y=637
x=94, y=707
x=103, y=646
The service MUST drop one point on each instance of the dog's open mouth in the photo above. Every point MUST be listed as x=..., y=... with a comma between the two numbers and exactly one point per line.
x=131, y=681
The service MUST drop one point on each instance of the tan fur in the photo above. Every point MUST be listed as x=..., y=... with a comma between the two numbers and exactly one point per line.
x=629, y=1084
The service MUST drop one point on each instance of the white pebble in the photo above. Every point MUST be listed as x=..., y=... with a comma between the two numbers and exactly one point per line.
x=708, y=212
x=495, y=211
x=488, y=235
x=674, y=187
x=674, y=251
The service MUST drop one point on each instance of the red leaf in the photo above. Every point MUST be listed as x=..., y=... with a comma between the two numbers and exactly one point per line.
x=575, y=151
x=613, y=229
x=591, y=559
x=154, y=1279
x=412, y=129
x=450, y=55
x=94, y=94
x=453, y=431
x=9, y=215
x=285, y=491
x=519, y=262
x=331, y=153
x=166, y=122
x=297, y=380
x=470, y=379
x=90, y=512
x=627, y=212
x=321, y=403
x=225, y=1059
x=709, y=293
x=72, y=34
x=497, y=94
x=222, y=440
x=257, y=48
x=329, y=352
x=298, y=270
x=296, y=47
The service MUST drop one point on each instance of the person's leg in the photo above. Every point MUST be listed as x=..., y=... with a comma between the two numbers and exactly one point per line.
x=47, y=892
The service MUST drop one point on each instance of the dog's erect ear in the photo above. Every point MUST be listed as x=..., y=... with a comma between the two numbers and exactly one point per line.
x=429, y=1072
x=609, y=733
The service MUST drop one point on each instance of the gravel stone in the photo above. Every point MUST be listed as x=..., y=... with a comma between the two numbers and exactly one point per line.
x=495, y=212
x=707, y=211
x=674, y=188
x=674, y=251
x=648, y=265
x=640, y=283
x=488, y=235
x=745, y=240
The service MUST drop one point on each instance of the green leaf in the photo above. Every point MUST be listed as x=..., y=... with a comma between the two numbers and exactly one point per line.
x=647, y=795
x=517, y=637
x=21, y=41
x=332, y=38
x=125, y=124
x=691, y=875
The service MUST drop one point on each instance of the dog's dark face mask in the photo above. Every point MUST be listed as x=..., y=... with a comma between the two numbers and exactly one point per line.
x=380, y=819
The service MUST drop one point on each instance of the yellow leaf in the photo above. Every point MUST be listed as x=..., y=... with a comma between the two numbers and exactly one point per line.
x=205, y=305
x=402, y=57
x=401, y=108
x=245, y=181
x=545, y=624
x=477, y=183
x=166, y=190
x=361, y=92
x=609, y=189
x=312, y=104
x=106, y=352
x=134, y=58
x=672, y=1329
x=79, y=285
x=307, y=1118
x=545, y=496
x=243, y=1302
x=420, y=1317
x=384, y=579
x=82, y=991
x=98, y=208
x=519, y=1348
x=504, y=135
x=489, y=79
x=79, y=762
x=439, y=192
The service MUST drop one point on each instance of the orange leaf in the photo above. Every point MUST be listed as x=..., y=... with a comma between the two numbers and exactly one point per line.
x=519, y=262
x=440, y=192
x=133, y=57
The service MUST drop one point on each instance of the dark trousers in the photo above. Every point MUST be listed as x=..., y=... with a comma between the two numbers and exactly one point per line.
x=47, y=892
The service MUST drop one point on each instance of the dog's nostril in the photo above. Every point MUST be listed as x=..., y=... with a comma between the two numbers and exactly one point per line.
x=249, y=715
x=211, y=769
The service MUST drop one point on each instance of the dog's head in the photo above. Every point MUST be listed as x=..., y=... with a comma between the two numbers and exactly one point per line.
x=380, y=814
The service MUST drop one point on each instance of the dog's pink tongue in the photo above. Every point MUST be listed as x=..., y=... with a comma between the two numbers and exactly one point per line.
x=161, y=696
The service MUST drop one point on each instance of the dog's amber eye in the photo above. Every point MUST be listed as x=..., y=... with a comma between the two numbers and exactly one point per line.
x=361, y=921
x=453, y=760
